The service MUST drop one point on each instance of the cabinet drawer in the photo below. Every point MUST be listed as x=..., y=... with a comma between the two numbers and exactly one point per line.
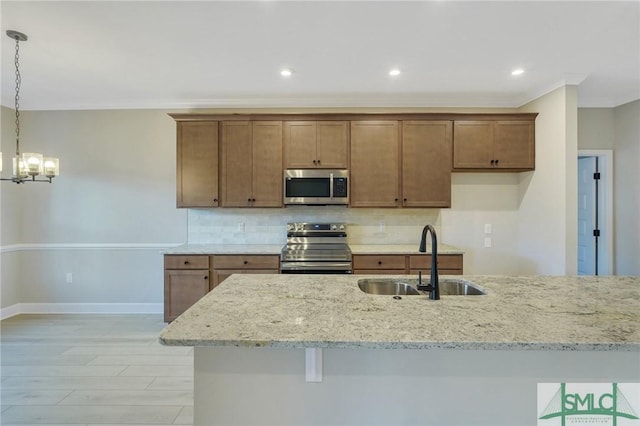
x=186, y=262
x=378, y=272
x=445, y=261
x=246, y=262
x=379, y=262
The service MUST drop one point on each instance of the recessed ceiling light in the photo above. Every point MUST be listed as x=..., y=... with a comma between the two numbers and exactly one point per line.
x=517, y=71
x=286, y=72
x=394, y=72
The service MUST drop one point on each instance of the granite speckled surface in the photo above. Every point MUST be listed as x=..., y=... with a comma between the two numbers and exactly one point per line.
x=324, y=311
x=275, y=249
x=400, y=249
x=225, y=249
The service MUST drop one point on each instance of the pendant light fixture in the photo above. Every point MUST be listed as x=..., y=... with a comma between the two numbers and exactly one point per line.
x=27, y=166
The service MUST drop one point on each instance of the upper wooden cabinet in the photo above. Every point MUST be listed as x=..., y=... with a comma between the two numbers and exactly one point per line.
x=197, y=166
x=316, y=144
x=375, y=164
x=494, y=145
x=251, y=164
x=426, y=163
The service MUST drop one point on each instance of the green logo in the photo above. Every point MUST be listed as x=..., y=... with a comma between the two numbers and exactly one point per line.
x=587, y=403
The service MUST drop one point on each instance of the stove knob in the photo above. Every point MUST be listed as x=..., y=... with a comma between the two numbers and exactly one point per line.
x=334, y=227
x=299, y=227
x=290, y=227
x=342, y=227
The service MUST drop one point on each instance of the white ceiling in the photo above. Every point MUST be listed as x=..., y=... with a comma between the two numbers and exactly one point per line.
x=180, y=54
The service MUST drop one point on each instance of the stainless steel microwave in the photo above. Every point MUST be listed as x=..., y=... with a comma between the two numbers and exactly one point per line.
x=316, y=186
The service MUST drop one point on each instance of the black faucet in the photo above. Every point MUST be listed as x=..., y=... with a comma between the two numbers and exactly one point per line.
x=433, y=288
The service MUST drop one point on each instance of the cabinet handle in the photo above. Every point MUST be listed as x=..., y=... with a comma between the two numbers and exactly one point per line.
x=186, y=262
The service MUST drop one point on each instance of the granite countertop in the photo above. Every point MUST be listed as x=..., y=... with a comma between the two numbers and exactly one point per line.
x=225, y=249
x=275, y=249
x=400, y=249
x=329, y=311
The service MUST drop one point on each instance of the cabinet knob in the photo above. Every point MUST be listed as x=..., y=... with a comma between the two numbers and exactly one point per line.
x=497, y=162
x=396, y=200
x=493, y=162
x=245, y=262
x=253, y=200
x=186, y=262
x=405, y=200
x=379, y=262
x=318, y=162
x=206, y=277
x=215, y=200
x=248, y=200
x=314, y=162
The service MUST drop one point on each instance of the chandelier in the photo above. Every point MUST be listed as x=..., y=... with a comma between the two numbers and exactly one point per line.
x=27, y=166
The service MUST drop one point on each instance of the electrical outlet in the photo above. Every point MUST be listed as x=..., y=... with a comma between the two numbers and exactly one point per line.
x=69, y=277
x=487, y=228
x=240, y=226
x=487, y=242
x=381, y=227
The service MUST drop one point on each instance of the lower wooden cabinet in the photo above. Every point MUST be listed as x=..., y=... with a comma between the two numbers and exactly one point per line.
x=375, y=264
x=226, y=265
x=448, y=264
x=397, y=264
x=188, y=278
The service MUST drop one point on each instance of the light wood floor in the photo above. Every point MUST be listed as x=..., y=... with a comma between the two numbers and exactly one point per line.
x=92, y=370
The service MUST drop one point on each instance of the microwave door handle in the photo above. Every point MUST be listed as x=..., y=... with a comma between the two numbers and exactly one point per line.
x=331, y=186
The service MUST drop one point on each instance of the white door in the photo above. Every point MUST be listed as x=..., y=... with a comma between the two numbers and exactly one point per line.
x=586, y=216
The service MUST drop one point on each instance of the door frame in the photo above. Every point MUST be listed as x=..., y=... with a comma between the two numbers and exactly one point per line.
x=605, y=205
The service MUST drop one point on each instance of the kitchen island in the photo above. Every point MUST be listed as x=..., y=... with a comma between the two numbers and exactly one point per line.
x=314, y=349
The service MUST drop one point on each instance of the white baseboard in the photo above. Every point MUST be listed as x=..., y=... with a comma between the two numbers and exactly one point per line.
x=81, y=308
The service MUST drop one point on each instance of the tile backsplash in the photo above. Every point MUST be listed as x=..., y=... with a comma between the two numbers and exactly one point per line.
x=268, y=226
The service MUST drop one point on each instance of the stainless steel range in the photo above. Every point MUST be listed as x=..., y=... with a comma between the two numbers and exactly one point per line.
x=316, y=248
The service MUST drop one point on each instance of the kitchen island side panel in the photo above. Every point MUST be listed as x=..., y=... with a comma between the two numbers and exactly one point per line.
x=266, y=386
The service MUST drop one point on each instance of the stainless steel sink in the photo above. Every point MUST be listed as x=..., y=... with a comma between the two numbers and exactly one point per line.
x=407, y=287
x=387, y=287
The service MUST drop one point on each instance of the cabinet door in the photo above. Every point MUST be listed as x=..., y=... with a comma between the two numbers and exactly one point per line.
x=332, y=145
x=374, y=164
x=300, y=144
x=515, y=145
x=267, y=164
x=473, y=144
x=197, y=168
x=236, y=174
x=183, y=288
x=426, y=163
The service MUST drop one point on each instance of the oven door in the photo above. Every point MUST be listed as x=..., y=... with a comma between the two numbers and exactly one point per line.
x=311, y=267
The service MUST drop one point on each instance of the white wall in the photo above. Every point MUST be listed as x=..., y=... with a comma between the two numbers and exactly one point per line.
x=104, y=219
x=596, y=128
x=627, y=189
x=547, y=218
x=10, y=216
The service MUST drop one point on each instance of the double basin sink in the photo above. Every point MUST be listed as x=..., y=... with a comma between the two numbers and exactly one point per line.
x=408, y=287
